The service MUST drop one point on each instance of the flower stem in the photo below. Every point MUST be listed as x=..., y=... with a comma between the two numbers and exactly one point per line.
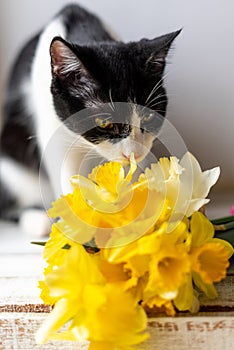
x=39, y=243
x=224, y=220
x=224, y=227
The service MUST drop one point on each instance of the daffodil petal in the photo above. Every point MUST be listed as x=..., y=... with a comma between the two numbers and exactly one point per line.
x=55, y=243
x=185, y=297
x=226, y=245
x=161, y=305
x=201, y=229
x=210, y=261
x=202, y=181
x=207, y=288
x=167, y=271
x=194, y=205
x=61, y=313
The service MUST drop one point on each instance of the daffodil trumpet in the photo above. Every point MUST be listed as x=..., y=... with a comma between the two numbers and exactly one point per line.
x=121, y=247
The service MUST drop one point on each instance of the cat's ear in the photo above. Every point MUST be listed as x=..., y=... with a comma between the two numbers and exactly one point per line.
x=157, y=50
x=64, y=61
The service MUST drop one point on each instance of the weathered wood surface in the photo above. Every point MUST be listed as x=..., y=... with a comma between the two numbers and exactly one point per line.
x=21, y=313
x=17, y=331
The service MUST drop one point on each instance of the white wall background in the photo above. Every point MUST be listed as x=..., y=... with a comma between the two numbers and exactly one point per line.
x=201, y=74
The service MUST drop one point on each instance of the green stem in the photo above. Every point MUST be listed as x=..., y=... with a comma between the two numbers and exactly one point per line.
x=39, y=243
x=224, y=220
x=224, y=227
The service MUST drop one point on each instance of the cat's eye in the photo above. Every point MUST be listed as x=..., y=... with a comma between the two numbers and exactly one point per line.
x=103, y=123
x=147, y=118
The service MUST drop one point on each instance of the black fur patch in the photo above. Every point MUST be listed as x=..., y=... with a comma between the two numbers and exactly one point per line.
x=18, y=133
x=8, y=204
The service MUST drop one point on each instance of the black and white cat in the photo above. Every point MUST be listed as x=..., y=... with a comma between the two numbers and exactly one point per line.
x=73, y=64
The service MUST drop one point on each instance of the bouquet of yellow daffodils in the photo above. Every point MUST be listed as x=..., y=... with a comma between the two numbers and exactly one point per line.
x=120, y=247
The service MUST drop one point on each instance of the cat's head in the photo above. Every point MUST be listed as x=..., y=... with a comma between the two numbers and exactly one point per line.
x=104, y=73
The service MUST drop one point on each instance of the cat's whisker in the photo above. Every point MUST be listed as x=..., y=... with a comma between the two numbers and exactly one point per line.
x=157, y=103
x=159, y=97
x=161, y=110
x=150, y=105
x=162, y=80
x=156, y=98
x=93, y=116
x=152, y=91
x=156, y=87
x=150, y=94
x=111, y=104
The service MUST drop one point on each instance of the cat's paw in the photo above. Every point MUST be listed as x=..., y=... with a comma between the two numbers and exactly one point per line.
x=35, y=223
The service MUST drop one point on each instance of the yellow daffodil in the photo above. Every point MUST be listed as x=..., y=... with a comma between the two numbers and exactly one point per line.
x=202, y=181
x=55, y=248
x=209, y=255
x=209, y=261
x=83, y=296
x=160, y=256
x=118, y=247
x=66, y=283
x=92, y=206
x=55, y=252
x=100, y=209
x=106, y=317
x=183, y=183
x=167, y=271
x=112, y=318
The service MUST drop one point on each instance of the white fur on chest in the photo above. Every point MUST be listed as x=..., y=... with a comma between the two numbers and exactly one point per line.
x=46, y=120
x=53, y=137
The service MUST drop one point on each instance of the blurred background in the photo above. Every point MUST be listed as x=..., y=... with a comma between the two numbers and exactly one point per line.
x=200, y=78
